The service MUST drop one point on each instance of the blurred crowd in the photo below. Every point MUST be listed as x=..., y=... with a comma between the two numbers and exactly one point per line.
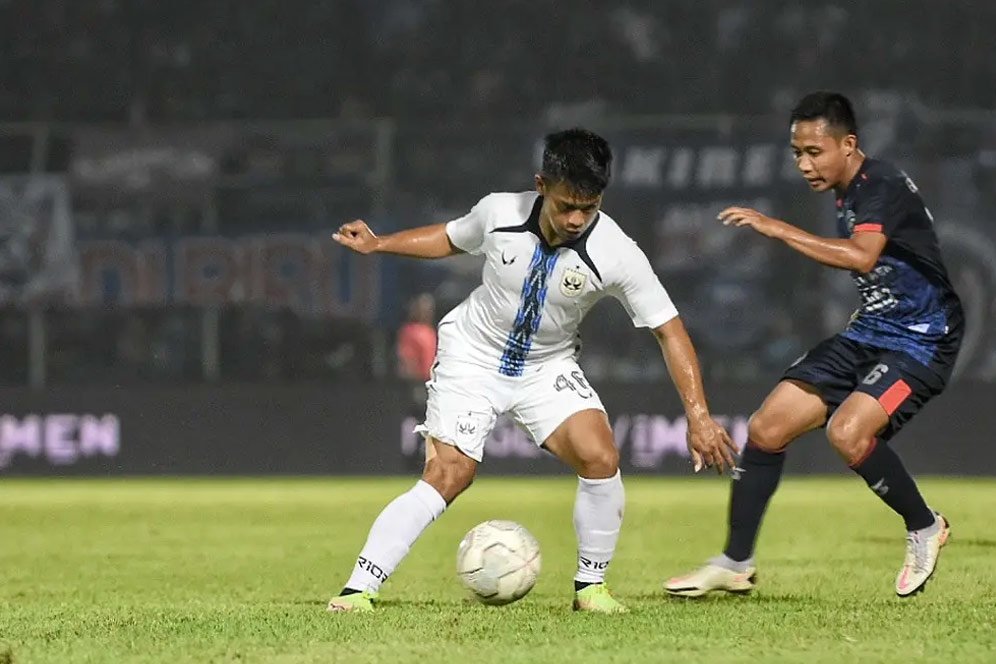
x=146, y=60
x=461, y=80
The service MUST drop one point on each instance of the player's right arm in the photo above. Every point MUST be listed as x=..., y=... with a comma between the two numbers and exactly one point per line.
x=874, y=223
x=422, y=242
x=463, y=235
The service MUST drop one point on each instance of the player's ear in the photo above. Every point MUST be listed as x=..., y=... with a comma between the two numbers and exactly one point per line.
x=540, y=184
x=850, y=144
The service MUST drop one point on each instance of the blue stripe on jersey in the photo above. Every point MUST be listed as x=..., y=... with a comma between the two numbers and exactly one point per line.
x=527, y=319
x=883, y=332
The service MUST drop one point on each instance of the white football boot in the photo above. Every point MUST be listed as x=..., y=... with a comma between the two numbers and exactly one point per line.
x=922, y=552
x=712, y=577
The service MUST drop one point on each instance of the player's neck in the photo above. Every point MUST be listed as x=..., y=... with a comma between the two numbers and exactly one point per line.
x=546, y=229
x=850, y=173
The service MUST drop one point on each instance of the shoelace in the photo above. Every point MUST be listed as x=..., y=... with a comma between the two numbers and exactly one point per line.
x=917, y=546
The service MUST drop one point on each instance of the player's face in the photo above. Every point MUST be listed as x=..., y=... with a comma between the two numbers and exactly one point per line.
x=567, y=213
x=821, y=154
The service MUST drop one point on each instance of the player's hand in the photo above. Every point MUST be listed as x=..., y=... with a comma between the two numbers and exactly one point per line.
x=710, y=445
x=357, y=236
x=738, y=216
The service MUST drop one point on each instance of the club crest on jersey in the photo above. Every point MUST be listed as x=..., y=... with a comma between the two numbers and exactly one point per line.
x=572, y=283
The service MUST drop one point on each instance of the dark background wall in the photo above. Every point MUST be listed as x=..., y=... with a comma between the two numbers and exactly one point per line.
x=170, y=174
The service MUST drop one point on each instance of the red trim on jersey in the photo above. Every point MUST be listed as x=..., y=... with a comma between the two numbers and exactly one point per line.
x=894, y=397
x=868, y=228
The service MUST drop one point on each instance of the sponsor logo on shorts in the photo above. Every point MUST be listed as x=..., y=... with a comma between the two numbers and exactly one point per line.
x=466, y=426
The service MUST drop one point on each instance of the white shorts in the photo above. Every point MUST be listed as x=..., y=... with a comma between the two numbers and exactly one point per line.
x=465, y=402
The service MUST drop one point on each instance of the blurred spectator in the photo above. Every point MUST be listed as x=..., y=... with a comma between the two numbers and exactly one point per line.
x=416, y=352
x=416, y=343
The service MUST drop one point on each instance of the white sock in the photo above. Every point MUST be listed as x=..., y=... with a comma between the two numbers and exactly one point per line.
x=393, y=533
x=932, y=528
x=738, y=566
x=598, y=514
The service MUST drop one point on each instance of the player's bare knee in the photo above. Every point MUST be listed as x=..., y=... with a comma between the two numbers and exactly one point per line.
x=449, y=476
x=600, y=464
x=765, y=433
x=450, y=482
x=846, y=436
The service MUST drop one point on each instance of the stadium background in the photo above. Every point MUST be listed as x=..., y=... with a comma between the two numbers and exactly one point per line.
x=170, y=300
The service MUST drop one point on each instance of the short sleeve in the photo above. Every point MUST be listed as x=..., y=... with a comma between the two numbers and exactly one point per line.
x=641, y=293
x=873, y=207
x=468, y=232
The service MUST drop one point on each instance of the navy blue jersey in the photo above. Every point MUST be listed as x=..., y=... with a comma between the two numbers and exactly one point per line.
x=907, y=301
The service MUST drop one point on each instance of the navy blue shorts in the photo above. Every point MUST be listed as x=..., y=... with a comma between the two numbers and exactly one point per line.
x=839, y=366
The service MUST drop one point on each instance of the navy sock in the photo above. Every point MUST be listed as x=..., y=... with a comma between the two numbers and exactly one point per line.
x=349, y=591
x=581, y=585
x=884, y=473
x=754, y=483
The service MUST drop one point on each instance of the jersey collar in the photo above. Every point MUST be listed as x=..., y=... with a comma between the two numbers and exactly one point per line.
x=578, y=244
x=859, y=177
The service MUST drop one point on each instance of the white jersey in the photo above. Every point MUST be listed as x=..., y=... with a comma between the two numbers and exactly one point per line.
x=527, y=311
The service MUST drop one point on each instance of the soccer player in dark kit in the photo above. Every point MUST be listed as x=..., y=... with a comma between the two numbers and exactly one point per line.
x=867, y=382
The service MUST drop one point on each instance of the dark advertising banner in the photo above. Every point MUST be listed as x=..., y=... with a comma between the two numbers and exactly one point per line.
x=949, y=437
x=339, y=430
x=245, y=430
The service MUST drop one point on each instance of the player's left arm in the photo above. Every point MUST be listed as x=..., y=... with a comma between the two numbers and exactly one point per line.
x=708, y=442
x=648, y=304
x=859, y=252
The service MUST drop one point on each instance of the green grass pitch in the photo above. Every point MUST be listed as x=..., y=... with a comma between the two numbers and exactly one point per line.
x=240, y=570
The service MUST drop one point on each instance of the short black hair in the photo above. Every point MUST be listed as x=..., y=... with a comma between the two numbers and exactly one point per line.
x=833, y=107
x=580, y=158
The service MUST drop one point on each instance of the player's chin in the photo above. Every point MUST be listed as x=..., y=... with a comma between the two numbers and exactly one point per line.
x=818, y=184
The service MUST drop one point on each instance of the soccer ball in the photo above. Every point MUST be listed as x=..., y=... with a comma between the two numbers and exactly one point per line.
x=498, y=561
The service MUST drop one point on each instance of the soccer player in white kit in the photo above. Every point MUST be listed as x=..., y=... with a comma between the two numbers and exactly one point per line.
x=512, y=346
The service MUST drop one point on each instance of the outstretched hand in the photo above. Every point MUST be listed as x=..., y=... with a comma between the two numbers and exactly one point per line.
x=710, y=446
x=738, y=216
x=356, y=235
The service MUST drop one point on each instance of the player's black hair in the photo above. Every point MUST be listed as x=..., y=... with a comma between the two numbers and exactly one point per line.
x=580, y=158
x=833, y=107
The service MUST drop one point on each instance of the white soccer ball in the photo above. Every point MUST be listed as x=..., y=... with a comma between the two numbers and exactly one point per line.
x=498, y=561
